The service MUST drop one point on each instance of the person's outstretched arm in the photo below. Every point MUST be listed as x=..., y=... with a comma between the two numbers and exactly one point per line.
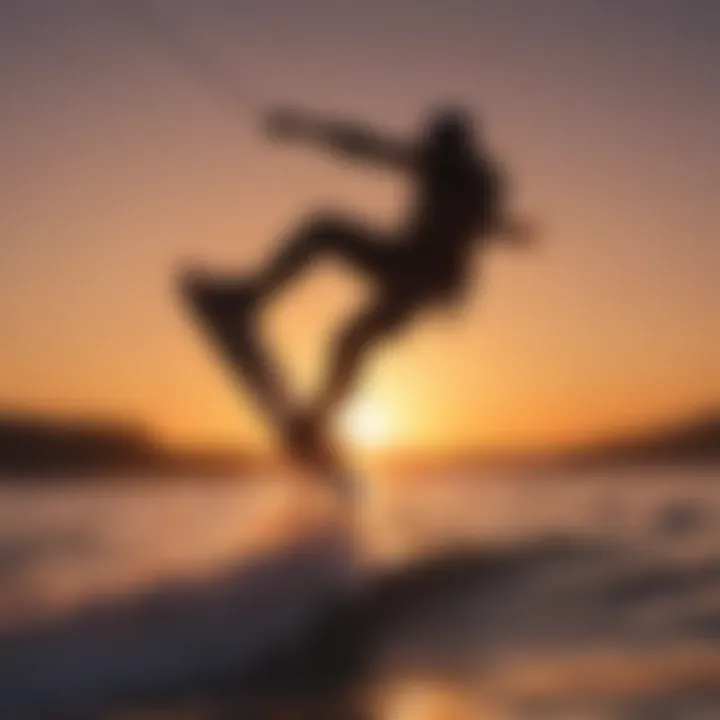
x=352, y=140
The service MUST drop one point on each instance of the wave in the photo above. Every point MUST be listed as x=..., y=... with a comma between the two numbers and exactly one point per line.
x=176, y=633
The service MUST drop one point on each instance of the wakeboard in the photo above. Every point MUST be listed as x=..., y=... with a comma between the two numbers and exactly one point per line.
x=240, y=347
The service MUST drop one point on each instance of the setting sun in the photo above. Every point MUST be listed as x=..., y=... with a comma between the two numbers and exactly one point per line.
x=367, y=425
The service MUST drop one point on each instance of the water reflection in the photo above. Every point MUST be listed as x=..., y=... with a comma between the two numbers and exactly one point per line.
x=171, y=604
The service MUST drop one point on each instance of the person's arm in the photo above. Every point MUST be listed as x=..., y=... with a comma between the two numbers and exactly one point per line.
x=352, y=140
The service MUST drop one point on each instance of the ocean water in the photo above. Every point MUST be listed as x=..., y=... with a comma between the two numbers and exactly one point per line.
x=484, y=595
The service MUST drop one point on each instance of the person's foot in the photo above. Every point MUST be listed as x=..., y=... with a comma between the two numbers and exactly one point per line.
x=306, y=438
x=309, y=442
x=225, y=302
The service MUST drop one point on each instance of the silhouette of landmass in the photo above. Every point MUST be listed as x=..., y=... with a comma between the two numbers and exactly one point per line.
x=692, y=440
x=41, y=447
x=688, y=440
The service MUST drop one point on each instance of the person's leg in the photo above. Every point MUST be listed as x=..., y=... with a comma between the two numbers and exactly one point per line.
x=351, y=348
x=228, y=297
x=352, y=242
x=307, y=432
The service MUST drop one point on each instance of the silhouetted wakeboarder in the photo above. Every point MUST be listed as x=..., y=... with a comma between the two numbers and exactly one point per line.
x=459, y=205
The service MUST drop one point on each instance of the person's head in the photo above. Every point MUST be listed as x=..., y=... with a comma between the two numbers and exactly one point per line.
x=449, y=129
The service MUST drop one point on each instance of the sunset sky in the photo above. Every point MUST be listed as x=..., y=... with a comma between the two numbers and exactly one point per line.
x=117, y=162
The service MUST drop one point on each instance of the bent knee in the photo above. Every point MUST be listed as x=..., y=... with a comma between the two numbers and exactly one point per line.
x=327, y=225
x=389, y=320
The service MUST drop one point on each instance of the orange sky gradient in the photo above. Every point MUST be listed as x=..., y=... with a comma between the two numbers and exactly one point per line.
x=116, y=165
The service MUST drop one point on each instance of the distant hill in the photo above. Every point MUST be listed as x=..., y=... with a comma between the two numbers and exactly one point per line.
x=695, y=440
x=41, y=447
x=34, y=446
